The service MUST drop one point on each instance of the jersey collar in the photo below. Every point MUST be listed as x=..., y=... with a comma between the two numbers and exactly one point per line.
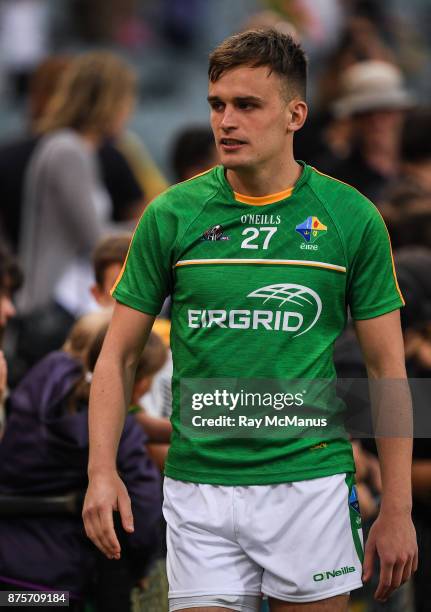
x=267, y=199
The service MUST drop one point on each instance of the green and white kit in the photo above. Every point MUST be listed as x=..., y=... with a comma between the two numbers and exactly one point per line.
x=260, y=289
x=298, y=541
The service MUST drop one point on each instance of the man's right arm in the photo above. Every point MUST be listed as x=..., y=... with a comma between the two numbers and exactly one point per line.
x=111, y=390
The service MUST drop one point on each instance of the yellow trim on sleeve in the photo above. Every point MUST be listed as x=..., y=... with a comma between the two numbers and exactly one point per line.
x=335, y=179
x=389, y=238
x=120, y=275
x=392, y=259
x=123, y=267
x=196, y=175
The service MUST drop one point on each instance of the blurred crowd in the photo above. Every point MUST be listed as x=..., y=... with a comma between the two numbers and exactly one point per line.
x=75, y=181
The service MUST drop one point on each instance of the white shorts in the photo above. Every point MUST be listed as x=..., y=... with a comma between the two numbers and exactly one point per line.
x=228, y=545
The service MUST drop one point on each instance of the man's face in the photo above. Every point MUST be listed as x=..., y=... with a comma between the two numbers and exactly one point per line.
x=249, y=117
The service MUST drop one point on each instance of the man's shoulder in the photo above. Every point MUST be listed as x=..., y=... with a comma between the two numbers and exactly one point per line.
x=200, y=186
x=188, y=197
x=340, y=198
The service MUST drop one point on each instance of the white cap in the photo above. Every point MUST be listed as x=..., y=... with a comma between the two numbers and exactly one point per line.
x=372, y=85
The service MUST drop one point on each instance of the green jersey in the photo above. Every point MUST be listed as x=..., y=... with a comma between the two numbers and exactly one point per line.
x=260, y=289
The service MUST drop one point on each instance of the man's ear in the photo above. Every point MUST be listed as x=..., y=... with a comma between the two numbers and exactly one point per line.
x=296, y=115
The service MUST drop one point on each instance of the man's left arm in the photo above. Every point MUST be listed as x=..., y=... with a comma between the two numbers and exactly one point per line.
x=392, y=536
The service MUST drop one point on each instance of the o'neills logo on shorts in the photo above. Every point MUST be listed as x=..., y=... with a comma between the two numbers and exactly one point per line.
x=306, y=310
x=334, y=573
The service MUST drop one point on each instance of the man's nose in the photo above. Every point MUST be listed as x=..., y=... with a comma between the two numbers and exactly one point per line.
x=228, y=121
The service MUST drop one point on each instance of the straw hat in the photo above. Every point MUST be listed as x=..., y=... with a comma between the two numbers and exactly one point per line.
x=372, y=85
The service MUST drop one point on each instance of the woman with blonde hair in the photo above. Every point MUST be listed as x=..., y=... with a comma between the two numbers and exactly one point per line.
x=66, y=208
x=94, y=97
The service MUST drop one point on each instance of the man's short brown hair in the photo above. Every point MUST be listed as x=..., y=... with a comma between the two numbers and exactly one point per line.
x=110, y=250
x=268, y=47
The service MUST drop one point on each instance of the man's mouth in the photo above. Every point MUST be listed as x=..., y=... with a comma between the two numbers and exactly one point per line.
x=231, y=144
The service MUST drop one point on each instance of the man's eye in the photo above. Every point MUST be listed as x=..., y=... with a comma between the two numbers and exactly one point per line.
x=216, y=106
x=245, y=105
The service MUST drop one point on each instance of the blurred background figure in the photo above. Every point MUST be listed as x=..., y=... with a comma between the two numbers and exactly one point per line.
x=360, y=40
x=108, y=258
x=270, y=19
x=416, y=150
x=44, y=455
x=24, y=39
x=193, y=151
x=10, y=281
x=374, y=99
x=406, y=204
x=119, y=155
x=15, y=153
x=64, y=198
x=65, y=207
x=152, y=398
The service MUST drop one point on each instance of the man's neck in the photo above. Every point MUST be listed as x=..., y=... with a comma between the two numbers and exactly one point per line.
x=264, y=181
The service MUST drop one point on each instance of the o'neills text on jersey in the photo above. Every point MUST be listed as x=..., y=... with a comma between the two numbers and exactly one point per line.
x=253, y=219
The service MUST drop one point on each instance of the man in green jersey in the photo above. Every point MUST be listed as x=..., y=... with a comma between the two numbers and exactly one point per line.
x=263, y=256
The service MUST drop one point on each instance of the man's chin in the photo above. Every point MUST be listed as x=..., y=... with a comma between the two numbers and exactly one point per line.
x=232, y=163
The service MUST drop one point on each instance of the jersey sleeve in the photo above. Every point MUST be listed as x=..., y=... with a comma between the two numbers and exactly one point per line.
x=373, y=287
x=146, y=278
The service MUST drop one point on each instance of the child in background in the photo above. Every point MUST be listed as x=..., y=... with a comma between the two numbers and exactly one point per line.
x=151, y=361
x=152, y=397
x=151, y=591
x=10, y=280
x=44, y=452
x=84, y=332
x=158, y=429
x=108, y=258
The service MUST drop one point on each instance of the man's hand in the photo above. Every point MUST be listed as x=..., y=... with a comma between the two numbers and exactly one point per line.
x=106, y=493
x=393, y=538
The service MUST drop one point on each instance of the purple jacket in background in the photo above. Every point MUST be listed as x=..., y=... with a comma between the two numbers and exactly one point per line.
x=44, y=451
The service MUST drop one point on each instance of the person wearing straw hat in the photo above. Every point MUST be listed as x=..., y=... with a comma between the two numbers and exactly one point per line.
x=375, y=99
